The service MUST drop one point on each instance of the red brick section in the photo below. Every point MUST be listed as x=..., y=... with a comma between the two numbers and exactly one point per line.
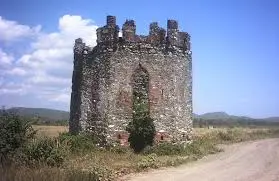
x=122, y=137
x=162, y=137
x=124, y=99
x=155, y=95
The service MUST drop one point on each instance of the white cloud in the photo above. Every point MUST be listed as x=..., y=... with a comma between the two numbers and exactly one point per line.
x=5, y=59
x=17, y=71
x=63, y=95
x=46, y=71
x=12, y=88
x=70, y=28
x=11, y=30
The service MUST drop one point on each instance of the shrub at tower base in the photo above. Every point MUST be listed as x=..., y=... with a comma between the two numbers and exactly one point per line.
x=142, y=132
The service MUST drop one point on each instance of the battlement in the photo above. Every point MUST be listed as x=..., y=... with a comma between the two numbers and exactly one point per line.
x=129, y=30
x=79, y=46
x=158, y=36
x=111, y=21
x=109, y=32
x=172, y=25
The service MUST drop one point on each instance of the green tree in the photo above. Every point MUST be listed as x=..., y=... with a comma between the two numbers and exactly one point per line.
x=141, y=128
x=142, y=132
x=14, y=133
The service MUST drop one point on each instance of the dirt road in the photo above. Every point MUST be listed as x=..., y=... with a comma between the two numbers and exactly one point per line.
x=250, y=161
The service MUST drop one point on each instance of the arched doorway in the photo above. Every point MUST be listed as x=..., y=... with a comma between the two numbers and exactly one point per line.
x=140, y=92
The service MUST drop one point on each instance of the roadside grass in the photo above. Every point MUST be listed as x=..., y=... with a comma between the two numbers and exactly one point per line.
x=82, y=160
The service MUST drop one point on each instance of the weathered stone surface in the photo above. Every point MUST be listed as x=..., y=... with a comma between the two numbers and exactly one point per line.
x=103, y=81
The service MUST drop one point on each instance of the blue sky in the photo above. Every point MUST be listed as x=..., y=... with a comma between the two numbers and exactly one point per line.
x=234, y=43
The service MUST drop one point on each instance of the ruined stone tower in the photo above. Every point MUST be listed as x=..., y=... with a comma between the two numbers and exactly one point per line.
x=105, y=77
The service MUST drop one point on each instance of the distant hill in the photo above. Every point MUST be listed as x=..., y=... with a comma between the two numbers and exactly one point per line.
x=272, y=119
x=222, y=119
x=224, y=116
x=49, y=115
x=52, y=115
x=214, y=115
x=219, y=115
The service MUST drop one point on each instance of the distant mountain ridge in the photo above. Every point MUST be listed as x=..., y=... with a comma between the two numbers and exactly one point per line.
x=214, y=115
x=272, y=119
x=225, y=116
x=53, y=115
x=219, y=115
x=45, y=114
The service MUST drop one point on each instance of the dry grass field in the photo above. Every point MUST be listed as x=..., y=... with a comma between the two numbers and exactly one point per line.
x=204, y=131
x=53, y=131
x=82, y=160
x=49, y=131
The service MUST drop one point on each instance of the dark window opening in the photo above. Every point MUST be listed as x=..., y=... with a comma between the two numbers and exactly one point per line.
x=162, y=137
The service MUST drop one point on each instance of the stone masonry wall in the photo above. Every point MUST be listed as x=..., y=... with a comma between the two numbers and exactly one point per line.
x=102, y=89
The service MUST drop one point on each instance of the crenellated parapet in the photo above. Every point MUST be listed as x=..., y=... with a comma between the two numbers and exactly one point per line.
x=129, y=31
x=79, y=46
x=109, y=33
x=184, y=40
x=172, y=33
x=158, y=36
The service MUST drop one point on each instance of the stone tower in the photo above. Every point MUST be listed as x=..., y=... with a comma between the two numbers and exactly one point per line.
x=105, y=78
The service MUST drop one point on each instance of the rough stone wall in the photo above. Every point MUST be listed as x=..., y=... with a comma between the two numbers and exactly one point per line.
x=75, y=109
x=102, y=91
